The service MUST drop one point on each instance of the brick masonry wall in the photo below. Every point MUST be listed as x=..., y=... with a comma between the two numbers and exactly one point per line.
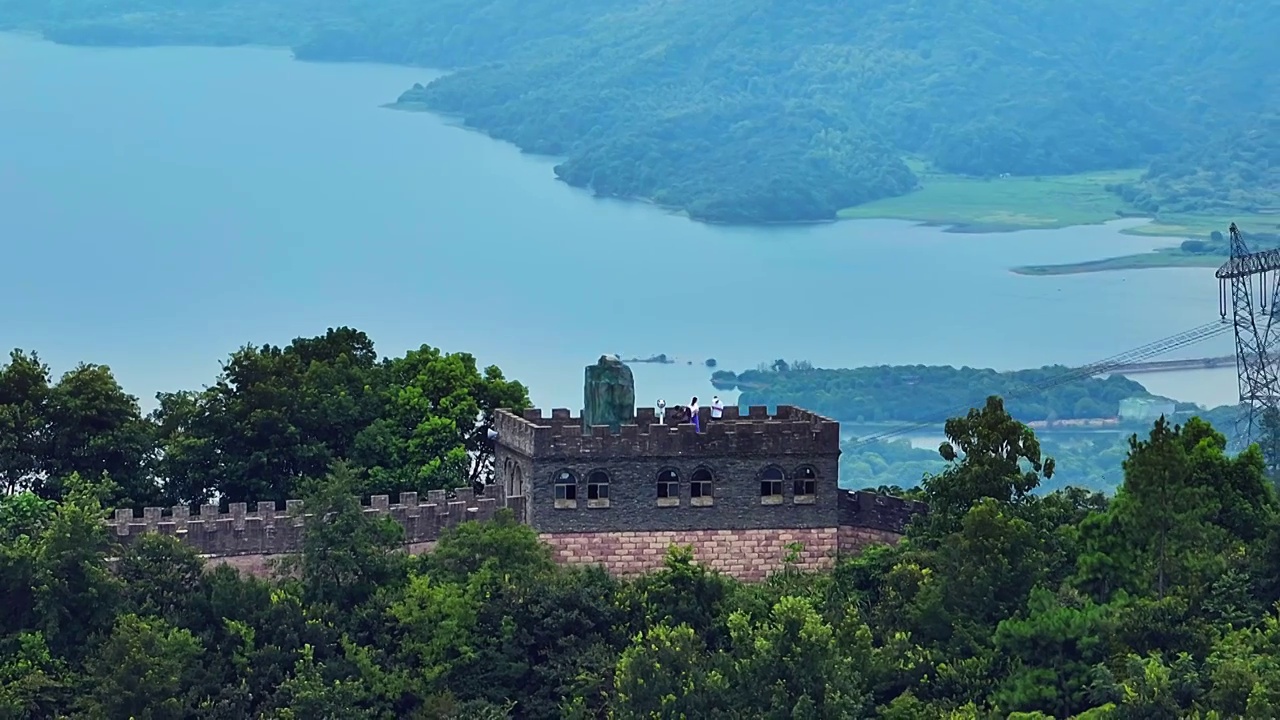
x=853, y=540
x=749, y=555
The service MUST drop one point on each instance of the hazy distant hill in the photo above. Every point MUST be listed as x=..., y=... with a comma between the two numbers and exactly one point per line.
x=760, y=110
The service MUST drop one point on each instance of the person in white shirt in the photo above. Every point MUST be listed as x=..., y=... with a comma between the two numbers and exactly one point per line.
x=662, y=411
x=693, y=415
x=717, y=408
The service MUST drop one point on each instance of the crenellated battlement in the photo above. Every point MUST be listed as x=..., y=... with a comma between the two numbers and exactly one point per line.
x=789, y=431
x=269, y=530
x=745, y=490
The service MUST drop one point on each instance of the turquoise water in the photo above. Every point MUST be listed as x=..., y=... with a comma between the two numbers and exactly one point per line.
x=161, y=207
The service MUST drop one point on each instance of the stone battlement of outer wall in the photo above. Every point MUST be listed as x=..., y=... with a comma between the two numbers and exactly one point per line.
x=789, y=431
x=270, y=530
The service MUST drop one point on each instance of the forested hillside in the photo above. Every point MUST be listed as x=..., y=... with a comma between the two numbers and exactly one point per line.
x=927, y=393
x=765, y=111
x=1237, y=168
x=1000, y=603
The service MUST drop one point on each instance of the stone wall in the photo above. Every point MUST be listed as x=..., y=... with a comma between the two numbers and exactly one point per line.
x=269, y=530
x=268, y=565
x=868, y=518
x=865, y=509
x=255, y=542
x=749, y=555
x=853, y=540
x=789, y=431
x=634, y=504
x=535, y=454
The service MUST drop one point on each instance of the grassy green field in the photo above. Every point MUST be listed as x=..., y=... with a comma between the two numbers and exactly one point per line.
x=966, y=204
x=979, y=205
x=1002, y=204
x=1165, y=258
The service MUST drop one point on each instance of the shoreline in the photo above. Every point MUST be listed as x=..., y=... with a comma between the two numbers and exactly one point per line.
x=954, y=204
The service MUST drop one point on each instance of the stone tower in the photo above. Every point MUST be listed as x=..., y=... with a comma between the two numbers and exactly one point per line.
x=618, y=486
x=609, y=394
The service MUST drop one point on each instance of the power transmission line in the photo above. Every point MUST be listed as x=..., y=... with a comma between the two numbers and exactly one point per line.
x=1144, y=352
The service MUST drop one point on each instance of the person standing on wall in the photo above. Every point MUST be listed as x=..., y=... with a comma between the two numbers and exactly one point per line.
x=693, y=414
x=717, y=408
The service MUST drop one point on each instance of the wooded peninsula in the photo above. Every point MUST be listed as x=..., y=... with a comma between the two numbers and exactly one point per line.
x=766, y=112
x=927, y=393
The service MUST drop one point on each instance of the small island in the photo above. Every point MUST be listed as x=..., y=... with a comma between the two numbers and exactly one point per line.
x=896, y=395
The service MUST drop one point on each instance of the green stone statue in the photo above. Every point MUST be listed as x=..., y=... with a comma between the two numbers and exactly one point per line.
x=609, y=394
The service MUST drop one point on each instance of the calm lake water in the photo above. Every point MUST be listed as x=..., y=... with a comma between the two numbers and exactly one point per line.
x=161, y=207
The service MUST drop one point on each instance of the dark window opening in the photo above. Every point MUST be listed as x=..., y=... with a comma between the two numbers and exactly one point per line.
x=771, y=482
x=700, y=484
x=566, y=486
x=668, y=484
x=598, y=486
x=806, y=482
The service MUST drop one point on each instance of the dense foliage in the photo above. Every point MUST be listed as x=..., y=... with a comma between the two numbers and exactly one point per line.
x=771, y=111
x=274, y=417
x=1092, y=460
x=923, y=393
x=999, y=603
x=1085, y=460
x=1236, y=168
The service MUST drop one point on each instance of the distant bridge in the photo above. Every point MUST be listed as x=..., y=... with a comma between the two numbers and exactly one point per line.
x=1159, y=366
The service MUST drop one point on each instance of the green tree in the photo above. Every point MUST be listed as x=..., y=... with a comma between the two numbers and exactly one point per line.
x=97, y=429
x=75, y=595
x=663, y=674
x=33, y=683
x=1053, y=652
x=85, y=423
x=275, y=417
x=794, y=664
x=23, y=520
x=347, y=554
x=433, y=433
x=991, y=447
x=163, y=577
x=502, y=546
x=24, y=396
x=146, y=669
x=1177, y=513
x=308, y=695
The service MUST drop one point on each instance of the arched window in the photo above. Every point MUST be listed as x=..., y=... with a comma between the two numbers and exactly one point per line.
x=771, y=486
x=517, y=480
x=668, y=488
x=598, y=489
x=804, y=485
x=566, y=490
x=700, y=488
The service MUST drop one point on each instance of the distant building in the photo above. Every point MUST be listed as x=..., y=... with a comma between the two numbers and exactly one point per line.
x=1145, y=409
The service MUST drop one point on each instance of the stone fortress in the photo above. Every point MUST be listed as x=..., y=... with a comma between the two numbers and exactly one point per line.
x=616, y=486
